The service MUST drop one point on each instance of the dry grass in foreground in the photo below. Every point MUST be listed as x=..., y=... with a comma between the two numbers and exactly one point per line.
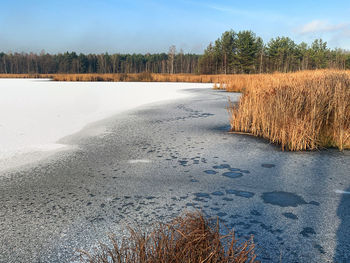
x=300, y=111
x=189, y=238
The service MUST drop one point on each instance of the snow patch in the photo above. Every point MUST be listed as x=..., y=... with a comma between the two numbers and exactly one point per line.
x=36, y=113
x=140, y=161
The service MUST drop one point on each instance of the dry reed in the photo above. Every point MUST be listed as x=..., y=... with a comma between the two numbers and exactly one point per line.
x=300, y=111
x=128, y=77
x=189, y=238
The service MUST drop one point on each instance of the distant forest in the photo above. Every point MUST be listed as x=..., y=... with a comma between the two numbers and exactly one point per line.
x=232, y=53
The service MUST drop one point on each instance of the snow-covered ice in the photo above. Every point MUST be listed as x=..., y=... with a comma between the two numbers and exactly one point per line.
x=36, y=113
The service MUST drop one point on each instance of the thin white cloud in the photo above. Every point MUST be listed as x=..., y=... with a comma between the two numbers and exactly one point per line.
x=230, y=10
x=321, y=26
x=248, y=13
x=336, y=34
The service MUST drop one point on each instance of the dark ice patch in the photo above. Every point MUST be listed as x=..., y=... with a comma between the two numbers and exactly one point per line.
x=183, y=163
x=232, y=174
x=283, y=199
x=200, y=199
x=210, y=172
x=320, y=248
x=290, y=216
x=202, y=195
x=255, y=213
x=235, y=216
x=222, y=128
x=218, y=193
x=235, y=169
x=219, y=167
x=268, y=165
x=307, y=231
x=245, y=194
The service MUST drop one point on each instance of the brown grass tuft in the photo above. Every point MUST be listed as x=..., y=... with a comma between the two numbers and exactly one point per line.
x=189, y=238
x=300, y=111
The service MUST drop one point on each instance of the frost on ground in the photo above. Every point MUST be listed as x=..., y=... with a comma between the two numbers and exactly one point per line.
x=36, y=113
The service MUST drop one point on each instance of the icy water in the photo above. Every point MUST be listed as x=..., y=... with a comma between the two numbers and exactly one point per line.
x=155, y=162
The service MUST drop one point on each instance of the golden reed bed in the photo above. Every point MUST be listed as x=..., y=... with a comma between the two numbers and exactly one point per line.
x=220, y=79
x=144, y=77
x=300, y=111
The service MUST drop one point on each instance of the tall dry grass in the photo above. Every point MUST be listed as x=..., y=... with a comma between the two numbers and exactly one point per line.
x=144, y=77
x=232, y=83
x=189, y=238
x=26, y=76
x=300, y=111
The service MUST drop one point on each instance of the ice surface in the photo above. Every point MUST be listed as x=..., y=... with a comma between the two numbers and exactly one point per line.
x=36, y=113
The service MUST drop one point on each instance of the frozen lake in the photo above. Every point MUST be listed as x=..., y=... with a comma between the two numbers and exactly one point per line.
x=156, y=162
x=36, y=113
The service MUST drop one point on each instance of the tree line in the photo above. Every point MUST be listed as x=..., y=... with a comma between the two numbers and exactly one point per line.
x=234, y=52
x=244, y=52
x=71, y=62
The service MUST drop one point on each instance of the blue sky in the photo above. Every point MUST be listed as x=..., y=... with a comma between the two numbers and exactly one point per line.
x=128, y=26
